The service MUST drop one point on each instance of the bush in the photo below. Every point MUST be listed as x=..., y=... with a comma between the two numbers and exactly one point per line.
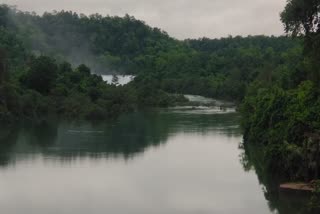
x=279, y=120
x=95, y=112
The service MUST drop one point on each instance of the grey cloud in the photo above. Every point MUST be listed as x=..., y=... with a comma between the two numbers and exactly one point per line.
x=180, y=18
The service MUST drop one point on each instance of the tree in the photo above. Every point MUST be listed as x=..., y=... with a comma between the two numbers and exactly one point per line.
x=302, y=18
x=83, y=69
x=42, y=74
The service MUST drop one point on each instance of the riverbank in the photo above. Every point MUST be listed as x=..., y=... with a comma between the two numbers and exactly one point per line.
x=297, y=187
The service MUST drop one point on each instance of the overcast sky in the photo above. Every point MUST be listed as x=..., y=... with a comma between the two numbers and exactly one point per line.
x=180, y=18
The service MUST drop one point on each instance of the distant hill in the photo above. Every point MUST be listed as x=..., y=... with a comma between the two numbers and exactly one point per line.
x=211, y=67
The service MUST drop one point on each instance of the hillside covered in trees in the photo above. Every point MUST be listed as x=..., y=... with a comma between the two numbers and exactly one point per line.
x=36, y=79
x=56, y=58
x=221, y=68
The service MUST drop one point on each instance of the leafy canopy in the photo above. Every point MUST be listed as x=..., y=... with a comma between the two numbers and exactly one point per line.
x=301, y=16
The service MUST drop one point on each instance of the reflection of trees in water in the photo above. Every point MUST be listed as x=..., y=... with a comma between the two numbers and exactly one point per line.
x=41, y=134
x=8, y=138
x=283, y=202
x=16, y=138
x=127, y=137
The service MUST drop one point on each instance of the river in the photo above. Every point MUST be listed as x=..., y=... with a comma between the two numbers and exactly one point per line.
x=172, y=161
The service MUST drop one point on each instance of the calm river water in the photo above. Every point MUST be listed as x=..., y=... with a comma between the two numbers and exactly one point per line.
x=176, y=161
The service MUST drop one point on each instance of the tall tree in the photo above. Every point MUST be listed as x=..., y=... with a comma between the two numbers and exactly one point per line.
x=302, y=18
x=42, y=74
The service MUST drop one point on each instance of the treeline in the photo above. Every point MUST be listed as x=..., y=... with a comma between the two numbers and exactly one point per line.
x=44, y=87
x=36, y=48
x=283, y=117
x=106, y=44
x=221, y=68
x=34, y=86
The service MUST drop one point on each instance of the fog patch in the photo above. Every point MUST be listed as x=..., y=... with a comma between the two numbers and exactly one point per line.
x=70, y=46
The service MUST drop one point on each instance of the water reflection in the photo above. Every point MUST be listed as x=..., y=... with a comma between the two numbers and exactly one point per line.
x=147, y=162
x=278, y=201
x=168, y=161
x=127, y=137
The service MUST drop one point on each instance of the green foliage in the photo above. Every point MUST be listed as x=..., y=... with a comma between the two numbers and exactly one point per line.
x=41, y=74
x=282, y=113
x=103, y=43
x=301, y=16
x=9, y=104
x=279, y=119
x=13, y=48
x=220, y=68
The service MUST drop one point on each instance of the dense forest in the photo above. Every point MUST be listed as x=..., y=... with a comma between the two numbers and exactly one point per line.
x=36, y=79
x=285, y=121
x=217, y=68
